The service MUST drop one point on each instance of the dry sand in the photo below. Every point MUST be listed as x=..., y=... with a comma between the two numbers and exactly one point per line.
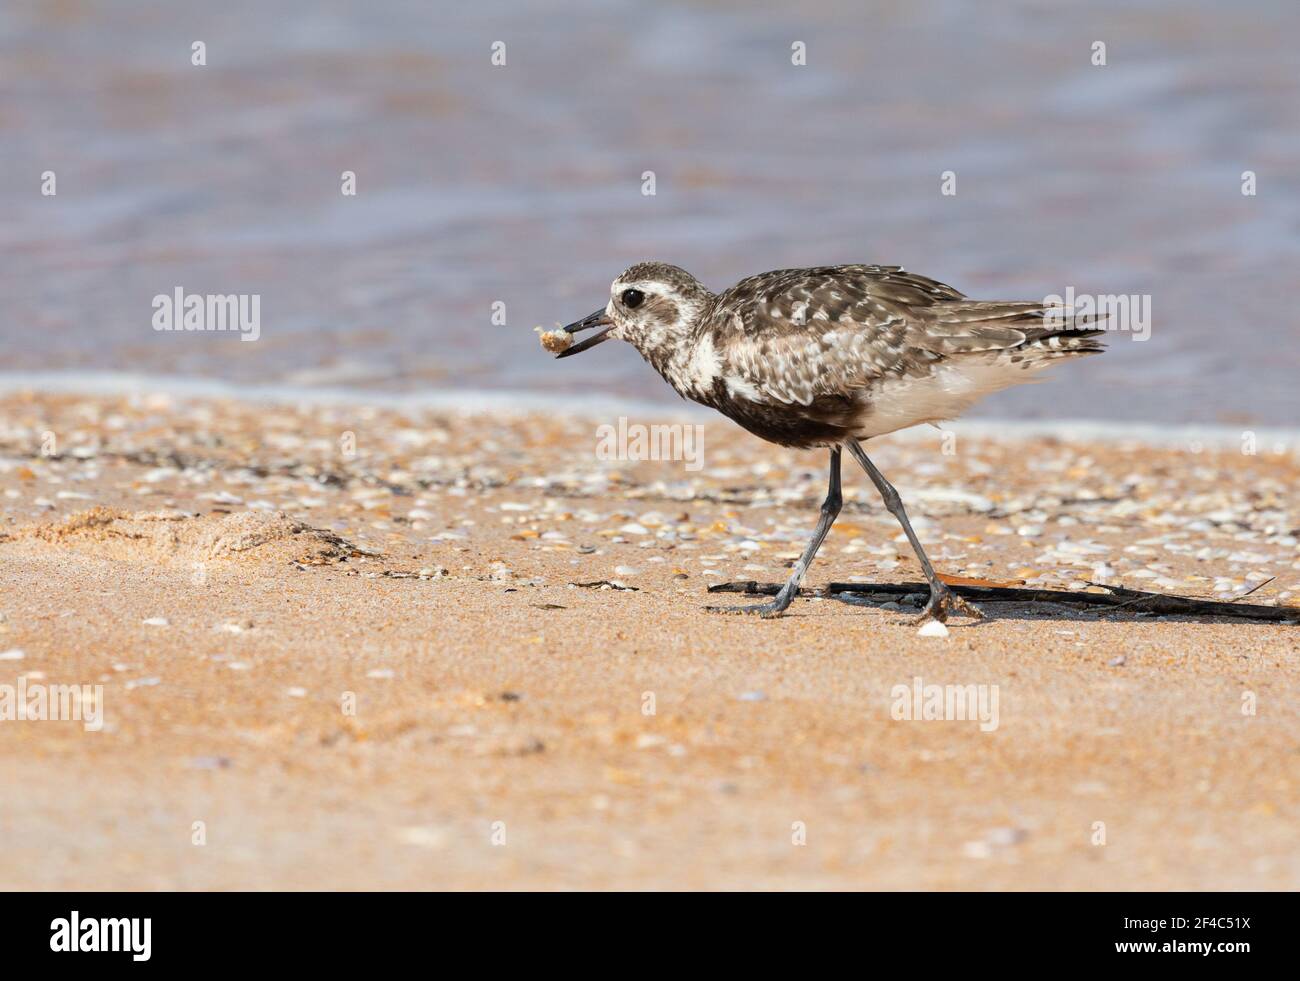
x=347, y=641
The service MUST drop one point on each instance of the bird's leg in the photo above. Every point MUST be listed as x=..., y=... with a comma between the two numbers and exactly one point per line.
x=830, y=510
x=943, y=601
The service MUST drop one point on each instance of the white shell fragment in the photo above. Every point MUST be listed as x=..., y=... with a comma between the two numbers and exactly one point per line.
x=555, y=341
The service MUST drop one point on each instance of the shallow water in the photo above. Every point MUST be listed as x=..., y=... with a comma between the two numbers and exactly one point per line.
x=523, y=184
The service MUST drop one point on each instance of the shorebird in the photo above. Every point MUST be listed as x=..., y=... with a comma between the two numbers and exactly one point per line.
x=830, y=357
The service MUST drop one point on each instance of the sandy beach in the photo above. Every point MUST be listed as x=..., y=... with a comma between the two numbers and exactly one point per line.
x=352, y=647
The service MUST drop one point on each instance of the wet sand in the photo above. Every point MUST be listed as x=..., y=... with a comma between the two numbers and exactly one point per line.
x=363, y=662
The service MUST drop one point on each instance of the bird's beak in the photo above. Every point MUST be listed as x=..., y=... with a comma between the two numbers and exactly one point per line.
x=597, y=319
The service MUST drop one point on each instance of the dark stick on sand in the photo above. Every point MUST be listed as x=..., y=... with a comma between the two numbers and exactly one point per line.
x=1134, y=600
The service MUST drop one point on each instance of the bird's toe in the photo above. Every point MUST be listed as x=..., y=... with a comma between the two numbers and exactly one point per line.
x=946, y=603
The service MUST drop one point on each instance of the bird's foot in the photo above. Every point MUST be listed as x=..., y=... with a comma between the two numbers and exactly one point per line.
x=765, y=610
x=944, y=603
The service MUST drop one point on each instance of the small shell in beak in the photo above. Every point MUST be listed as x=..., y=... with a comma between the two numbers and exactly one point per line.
x=589, y=322
x=555, y=341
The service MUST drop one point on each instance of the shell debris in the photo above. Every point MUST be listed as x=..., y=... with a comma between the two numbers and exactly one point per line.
x=555, y=341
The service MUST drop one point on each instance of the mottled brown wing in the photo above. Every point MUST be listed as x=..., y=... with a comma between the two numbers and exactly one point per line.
x=798, y=334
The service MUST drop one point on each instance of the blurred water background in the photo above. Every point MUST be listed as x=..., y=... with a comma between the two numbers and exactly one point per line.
x=523, y=184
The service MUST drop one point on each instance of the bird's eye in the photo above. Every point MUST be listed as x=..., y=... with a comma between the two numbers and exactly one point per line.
x=632, y=298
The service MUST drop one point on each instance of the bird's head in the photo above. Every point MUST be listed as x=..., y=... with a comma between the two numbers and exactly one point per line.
x=653, y=306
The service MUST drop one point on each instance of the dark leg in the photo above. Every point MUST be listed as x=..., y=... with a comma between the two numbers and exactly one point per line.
x=830, y=509
x=943, y=600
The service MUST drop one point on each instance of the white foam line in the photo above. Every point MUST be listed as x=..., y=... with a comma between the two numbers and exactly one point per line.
x=1185, y=436
x=461, y=400
x=480, y=401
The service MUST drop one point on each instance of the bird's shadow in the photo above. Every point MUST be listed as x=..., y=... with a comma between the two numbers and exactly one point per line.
x=1045, y=611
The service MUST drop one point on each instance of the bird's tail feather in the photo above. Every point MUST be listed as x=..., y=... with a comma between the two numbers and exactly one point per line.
x=1024, y=330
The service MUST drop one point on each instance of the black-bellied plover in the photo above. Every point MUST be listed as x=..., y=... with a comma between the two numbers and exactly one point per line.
x=832, y=356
